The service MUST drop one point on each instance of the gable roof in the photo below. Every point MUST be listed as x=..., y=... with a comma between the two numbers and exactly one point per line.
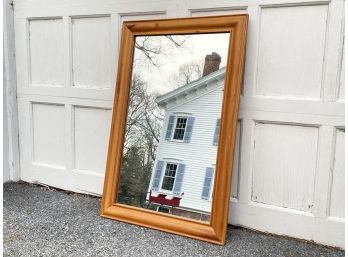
x=191, y=88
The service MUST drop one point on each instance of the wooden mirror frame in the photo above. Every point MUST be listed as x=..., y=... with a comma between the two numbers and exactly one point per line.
x=215, y=231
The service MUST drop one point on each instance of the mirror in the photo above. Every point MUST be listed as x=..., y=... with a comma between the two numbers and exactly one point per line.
x=174, y=123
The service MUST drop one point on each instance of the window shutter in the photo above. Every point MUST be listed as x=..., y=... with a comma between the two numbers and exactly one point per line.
x=170, y=127
x=216, y=133
x=158, y=175
x=178, y=179
x=189, y=127
x=207, y=183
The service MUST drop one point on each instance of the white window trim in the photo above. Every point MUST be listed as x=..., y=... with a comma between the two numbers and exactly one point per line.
x=174, y=127
x=168, y=192
x=164, y=206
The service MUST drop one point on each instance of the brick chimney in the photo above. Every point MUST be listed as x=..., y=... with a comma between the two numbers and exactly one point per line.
x=212, y=63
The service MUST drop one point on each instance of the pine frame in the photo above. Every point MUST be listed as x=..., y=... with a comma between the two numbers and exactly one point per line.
x=215, y=231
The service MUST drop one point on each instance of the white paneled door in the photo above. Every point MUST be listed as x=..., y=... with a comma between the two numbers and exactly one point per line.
x=289, y=162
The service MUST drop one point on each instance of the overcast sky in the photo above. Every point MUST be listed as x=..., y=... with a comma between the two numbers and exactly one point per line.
x=195, y=48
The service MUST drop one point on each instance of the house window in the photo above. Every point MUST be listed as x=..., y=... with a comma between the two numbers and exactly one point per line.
x=171, y=180
x=180, y=128
x=169, y=176
x=163, y=209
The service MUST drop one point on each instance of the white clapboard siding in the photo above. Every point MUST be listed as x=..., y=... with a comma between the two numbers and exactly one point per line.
x=292, y=99
x=200, y=152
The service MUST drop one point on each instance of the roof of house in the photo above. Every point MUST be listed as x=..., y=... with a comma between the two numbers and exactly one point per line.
x=191, y=88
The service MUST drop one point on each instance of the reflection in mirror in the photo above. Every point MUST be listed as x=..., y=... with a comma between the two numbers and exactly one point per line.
x=173, y=124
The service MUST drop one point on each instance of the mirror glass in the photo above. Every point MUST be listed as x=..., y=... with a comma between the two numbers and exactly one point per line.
x=173, y=124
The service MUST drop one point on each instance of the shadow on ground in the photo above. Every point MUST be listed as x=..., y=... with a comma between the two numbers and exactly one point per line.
x=47, y=222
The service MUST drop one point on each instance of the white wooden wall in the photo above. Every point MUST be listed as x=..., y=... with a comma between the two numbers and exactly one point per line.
x=10, y=119
x=290, y=160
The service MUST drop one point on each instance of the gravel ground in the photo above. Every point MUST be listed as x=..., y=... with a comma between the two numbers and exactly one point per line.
x=46, y=222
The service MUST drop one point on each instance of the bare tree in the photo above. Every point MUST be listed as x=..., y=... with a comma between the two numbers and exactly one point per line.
x=187, y=73
x=142, y=136
x=144, y=119
x=152, y=47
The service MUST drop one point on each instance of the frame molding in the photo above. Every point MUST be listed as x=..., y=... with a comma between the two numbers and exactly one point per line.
x=215, y=231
